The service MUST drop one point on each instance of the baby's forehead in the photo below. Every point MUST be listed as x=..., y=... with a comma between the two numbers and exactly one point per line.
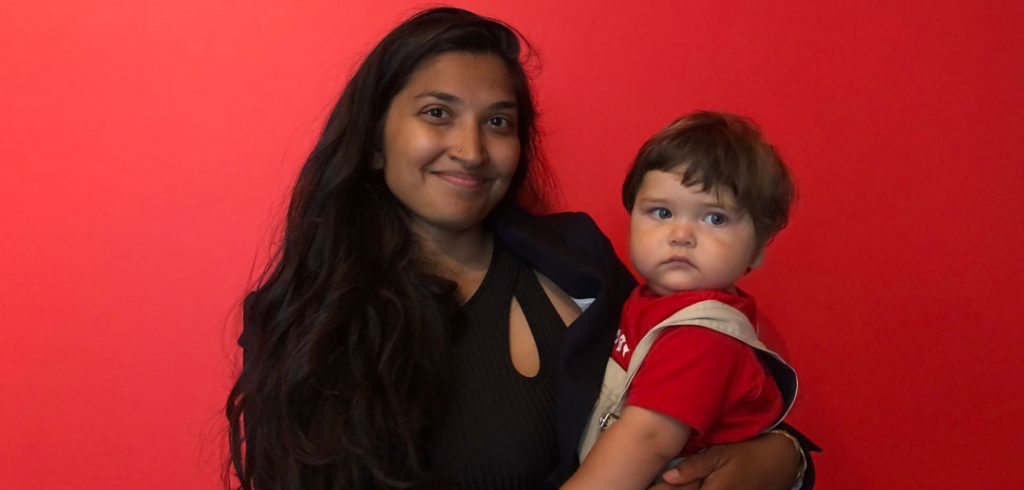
x=719, y=194
x=722, y=197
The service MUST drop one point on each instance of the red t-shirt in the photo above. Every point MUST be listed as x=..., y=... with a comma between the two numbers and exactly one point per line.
x=707, y=380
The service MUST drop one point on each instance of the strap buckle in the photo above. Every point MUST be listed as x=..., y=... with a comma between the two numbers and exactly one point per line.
x=607, y=420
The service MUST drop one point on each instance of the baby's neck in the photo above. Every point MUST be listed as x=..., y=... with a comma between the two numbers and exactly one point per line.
x=731, y=289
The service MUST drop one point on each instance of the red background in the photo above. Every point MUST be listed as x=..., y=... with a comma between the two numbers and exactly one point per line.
x=147, y=149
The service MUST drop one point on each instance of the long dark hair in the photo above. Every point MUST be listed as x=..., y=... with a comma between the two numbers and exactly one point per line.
x=347, y=337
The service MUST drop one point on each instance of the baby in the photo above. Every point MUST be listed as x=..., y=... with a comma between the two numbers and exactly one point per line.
x=705, y=196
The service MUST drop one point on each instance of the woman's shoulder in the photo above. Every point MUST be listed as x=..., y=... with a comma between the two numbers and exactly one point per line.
x=573, y=227
x=569, y=248
x=576, y=221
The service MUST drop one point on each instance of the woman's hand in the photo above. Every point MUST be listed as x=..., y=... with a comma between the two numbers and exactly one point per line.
x=769, y=462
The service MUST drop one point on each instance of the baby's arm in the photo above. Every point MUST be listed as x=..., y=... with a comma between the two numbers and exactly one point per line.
x=632, y=452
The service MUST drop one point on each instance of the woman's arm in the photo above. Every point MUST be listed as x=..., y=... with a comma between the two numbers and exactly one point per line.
x=768, y=462
x=631, y=453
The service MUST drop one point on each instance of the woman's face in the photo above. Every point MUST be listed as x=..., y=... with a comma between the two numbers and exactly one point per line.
x=451, y=143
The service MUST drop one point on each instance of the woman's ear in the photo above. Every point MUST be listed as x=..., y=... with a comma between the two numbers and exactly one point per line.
x=378, y=161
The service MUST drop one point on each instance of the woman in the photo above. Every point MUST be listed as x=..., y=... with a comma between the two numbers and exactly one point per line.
x=412, y=331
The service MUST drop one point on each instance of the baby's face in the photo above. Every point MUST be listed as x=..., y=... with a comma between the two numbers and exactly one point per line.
x=682, y=238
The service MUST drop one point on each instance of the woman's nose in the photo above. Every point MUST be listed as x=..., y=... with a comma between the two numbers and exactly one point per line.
x=468, y=146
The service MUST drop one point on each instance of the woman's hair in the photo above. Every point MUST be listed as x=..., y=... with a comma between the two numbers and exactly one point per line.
x=347, y=338
x=719, y=150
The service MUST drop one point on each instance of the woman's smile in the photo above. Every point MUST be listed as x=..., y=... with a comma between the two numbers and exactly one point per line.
x=461, y=180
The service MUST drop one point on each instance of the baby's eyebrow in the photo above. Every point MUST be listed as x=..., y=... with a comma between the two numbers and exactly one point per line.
x=725, y=206
x=713, y=198
x=653, y=200
x=732, y=208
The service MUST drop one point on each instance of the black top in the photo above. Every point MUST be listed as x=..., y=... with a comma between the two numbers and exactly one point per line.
x=499, y=427
x=572, y=251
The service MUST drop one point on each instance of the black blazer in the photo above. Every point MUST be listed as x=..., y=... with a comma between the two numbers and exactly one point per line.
x=572, y=251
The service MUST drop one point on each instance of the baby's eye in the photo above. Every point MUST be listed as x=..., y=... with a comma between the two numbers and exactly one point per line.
x=661, y=213
x=716, y=219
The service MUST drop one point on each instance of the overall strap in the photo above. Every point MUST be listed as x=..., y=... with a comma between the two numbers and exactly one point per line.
x=727, y=320
x=711, y=314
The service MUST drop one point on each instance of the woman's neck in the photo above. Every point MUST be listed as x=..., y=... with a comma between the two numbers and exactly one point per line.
x=462, y=256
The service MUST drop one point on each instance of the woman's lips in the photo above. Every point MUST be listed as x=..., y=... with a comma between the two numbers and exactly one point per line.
x=462, y=180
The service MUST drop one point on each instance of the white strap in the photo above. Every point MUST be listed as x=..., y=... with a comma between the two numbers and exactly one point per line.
x=711, y=314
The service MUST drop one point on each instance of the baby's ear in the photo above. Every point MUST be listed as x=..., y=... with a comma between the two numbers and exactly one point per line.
x=758, y=258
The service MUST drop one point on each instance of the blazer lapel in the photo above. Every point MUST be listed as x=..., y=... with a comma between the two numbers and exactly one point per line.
x=570, y=250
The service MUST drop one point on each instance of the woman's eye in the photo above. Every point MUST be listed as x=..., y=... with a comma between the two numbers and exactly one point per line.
x=500, y=122
x=716, y=219
x=436, y=112
x=662, y=213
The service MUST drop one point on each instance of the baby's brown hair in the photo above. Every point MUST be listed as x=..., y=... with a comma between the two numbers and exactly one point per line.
x=720, y=151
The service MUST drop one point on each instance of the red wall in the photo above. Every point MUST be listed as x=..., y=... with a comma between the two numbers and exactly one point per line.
x=147, y=149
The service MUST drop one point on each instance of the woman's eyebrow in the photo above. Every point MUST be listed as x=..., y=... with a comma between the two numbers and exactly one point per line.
x=505, y=104
x=454, y=99
x=445, y=96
